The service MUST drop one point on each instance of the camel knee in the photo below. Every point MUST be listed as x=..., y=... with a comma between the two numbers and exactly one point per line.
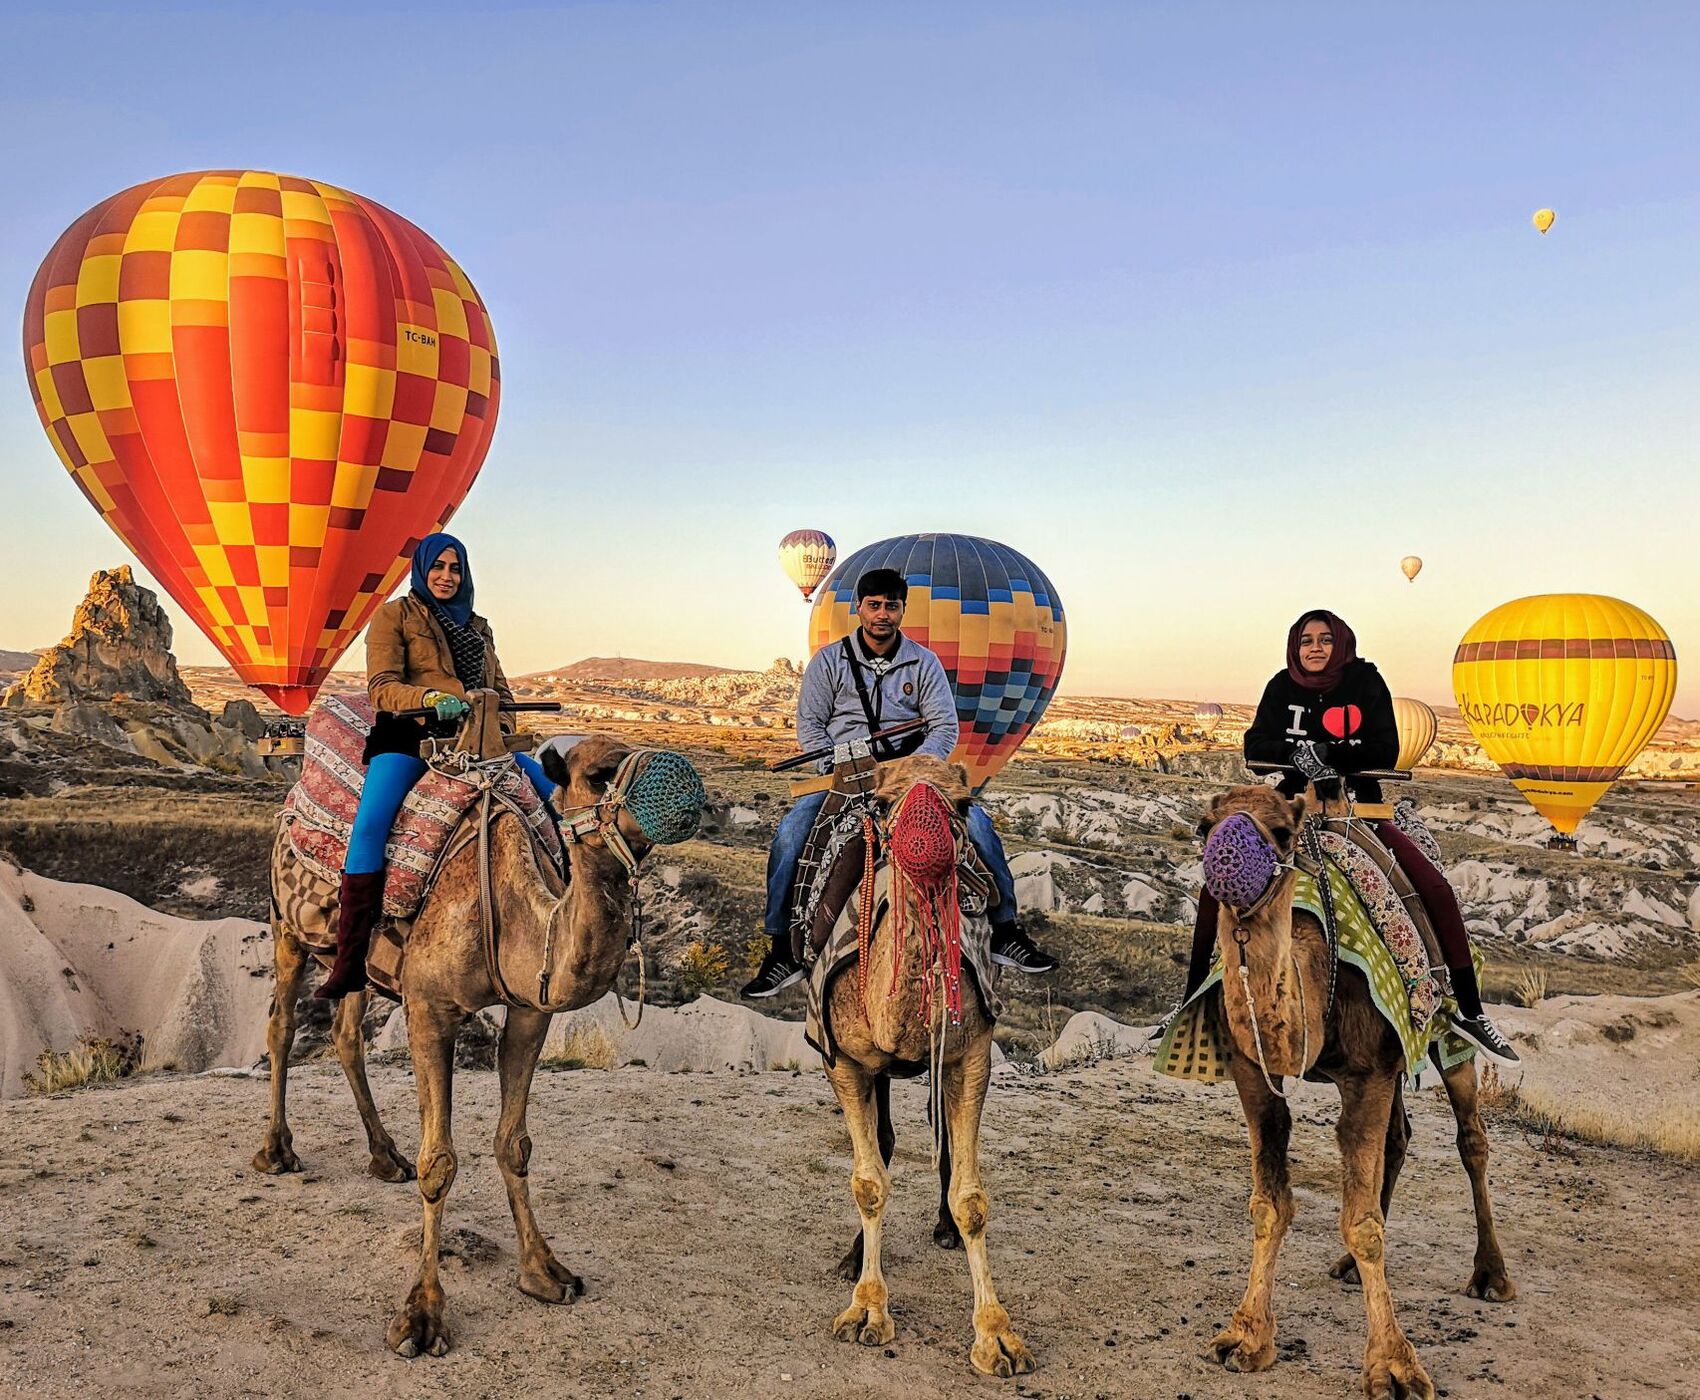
x=869, y=1191
x=437, y=1174
x=1473, y=1146
x=1269, y=1216
x=1365, y=1237
x=514, y=1153
x=971, y=1208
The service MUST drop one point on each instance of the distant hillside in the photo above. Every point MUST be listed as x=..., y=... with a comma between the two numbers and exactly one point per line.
x=627, y=668
x=14, y=663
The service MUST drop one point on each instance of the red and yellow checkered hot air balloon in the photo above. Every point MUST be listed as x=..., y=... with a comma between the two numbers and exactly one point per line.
x=271, y=389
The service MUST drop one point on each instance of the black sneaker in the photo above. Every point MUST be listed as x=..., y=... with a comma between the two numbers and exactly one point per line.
x=776, y=974
x=1485, y=1036
x=1011, y=947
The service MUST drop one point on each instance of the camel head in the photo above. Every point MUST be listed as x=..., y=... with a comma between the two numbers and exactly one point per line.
x=925, y=801
x=1251, y=834
x=660, y=804
x=900, y=776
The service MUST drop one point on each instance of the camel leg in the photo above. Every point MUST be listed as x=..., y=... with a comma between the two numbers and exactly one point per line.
x=1391, y=1369
x=541, y=1275
x=866, y=1319
x=850, y=1266
x=417, y=1328
x=289, y=960
x=1398, y=1143
x=1247, y=1343
x=1488, y=1279
x=997, y=1350
x=945, y=1233
x=387, y=1164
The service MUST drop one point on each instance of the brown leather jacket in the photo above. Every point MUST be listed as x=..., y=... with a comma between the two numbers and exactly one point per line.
x=407, y=654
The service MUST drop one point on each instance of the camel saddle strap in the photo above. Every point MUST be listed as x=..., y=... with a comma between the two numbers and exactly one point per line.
x=489, y=916
x=1363, y=836
x=830, y=866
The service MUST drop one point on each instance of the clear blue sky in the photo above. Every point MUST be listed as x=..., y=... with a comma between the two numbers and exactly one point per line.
x=1213, y=310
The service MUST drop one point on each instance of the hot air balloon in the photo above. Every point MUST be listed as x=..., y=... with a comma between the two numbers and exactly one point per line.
x=1417, y=727
x=271, y=389
x=992, y=617
x=1543, y=219
x=1410, y=566
x=1208, y=716
x=1130, y=732
x=1562, y=691
x=807, y=556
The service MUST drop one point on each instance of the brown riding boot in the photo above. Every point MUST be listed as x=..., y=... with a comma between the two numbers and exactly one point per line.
x=358, y=906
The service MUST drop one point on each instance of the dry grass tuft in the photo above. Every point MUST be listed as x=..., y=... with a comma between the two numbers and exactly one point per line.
x=1556, y=1125
x=92, y=1060
x=586, y=1046
x=1530, y=989
x=1690, y=974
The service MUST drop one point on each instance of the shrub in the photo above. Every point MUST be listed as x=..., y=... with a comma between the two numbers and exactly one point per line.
x=701, y=967
x=92, y=1060
x=1531, y=988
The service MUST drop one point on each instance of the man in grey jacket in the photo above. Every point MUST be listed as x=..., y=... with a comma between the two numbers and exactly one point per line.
x=874, y=679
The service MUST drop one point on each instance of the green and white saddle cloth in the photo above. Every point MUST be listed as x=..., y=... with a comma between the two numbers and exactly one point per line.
x=1189, y=1049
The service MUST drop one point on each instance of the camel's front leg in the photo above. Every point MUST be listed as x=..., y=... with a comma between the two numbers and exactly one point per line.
x=1391, y=1368
x=1392, y=1163
x=346, y=1031
x=1247, y=1343
x=417, y=1328
x=1488, y=1279
x=866, y=1319
x=540, y=1274
x=997, y=1350
x=277, y=1153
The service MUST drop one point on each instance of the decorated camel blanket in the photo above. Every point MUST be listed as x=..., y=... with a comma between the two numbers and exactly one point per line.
x=319, y=811
x=1403, y=987
x=839, y=956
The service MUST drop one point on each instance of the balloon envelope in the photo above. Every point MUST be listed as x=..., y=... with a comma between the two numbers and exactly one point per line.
x=807, y=556
x=992, y=617
x=271, y=389
x=1562, y=691
x=1410, y=566
x=1417, y=727
x=1543, y=219
x=1208, y=716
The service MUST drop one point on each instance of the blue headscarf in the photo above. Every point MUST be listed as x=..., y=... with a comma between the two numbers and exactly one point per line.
x=459, y=607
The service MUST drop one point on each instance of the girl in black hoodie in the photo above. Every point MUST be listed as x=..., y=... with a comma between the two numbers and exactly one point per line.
x=1329, y=715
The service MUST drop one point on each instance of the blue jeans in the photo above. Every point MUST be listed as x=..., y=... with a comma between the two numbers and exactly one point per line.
x=793, y=834
x=389, y=778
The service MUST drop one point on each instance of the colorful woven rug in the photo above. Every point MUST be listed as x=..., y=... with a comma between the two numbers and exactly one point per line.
x=1189, y=1049
x=319, y=811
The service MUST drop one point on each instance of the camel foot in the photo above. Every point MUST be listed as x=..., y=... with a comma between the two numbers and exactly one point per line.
x=1398, y=1376
x=946, y=1235
x=1346, y=1270
x=551, y=1281
x=872, y=1327
x=389, y=1165
x=850, y=1266
x=417, y=1330
x=1000, y=1352
x=1490, y=1281
x=275, y=1158
x=1238, y=1348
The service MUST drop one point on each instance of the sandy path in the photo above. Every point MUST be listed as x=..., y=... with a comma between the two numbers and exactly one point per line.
x=139, y=1255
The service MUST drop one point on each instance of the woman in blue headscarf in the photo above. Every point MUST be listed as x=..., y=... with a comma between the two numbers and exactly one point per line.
x=426, y=650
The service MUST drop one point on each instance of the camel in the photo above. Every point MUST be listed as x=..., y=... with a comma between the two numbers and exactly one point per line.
x=891, y=1036
x=1295, y=1033
x=445, y=979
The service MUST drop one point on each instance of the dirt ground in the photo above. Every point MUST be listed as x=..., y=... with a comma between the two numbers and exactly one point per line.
x=139, y=1255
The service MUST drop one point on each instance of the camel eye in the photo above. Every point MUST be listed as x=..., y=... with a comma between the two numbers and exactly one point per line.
x=1282, y=834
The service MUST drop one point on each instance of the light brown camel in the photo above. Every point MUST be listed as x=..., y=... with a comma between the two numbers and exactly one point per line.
x=1286, y=956
x=891, y=1036
x=444, y=981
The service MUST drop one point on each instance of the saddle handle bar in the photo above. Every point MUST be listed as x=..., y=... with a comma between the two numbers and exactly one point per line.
x=1380, y=775
x=909, y=726
x=552, y=707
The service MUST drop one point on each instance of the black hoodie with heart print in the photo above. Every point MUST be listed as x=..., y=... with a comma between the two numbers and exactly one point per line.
x=1352, y=723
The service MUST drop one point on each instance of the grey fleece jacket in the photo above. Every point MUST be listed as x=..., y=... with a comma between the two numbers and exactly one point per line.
x=913, y=686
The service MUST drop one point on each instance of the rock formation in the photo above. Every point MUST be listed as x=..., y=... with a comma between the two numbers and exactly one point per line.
x=119, y=647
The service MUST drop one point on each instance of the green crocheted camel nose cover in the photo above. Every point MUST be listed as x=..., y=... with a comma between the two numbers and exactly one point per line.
x=666, y=798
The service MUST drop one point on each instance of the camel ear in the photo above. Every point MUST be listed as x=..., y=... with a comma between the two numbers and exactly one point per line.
x=1299, y=806
x=554, y=766
x=1211, y=815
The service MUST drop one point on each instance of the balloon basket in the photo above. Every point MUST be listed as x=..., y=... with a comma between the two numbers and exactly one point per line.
x=1560, y=842
x=284, y=738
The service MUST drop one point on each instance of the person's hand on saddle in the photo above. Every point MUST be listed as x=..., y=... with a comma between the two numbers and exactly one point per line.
x=447, y=706
x=1311, y=759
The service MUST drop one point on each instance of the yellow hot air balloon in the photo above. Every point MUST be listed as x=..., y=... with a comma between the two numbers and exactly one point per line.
x=807, y=556
x=1543, y=219
x=1562, y=691
x=1417, y=728
x=1411, y=566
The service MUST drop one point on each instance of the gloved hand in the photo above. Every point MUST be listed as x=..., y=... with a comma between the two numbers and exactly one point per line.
x=1311, y=759
x=447, y=706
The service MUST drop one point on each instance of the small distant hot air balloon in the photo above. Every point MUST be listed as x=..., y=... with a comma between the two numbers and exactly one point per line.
x=992, y=617
x=807, y=556
x=1411, y=566
x=271, y=389
x=1417, y=727
x=1208, y=716
x=1562, y=691
x=1130, y=732
x=1543, y=219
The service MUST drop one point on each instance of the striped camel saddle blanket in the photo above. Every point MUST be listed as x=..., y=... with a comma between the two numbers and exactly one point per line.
x=319, y=811
x=838, y=958
x=1412, y=1001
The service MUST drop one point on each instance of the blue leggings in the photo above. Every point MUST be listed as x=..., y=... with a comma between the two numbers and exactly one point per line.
x=389, y=778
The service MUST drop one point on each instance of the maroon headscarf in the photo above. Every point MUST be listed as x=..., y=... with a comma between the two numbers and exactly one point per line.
x=1344, y=654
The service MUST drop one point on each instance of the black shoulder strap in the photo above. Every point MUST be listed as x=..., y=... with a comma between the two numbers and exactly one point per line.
x=870, y=711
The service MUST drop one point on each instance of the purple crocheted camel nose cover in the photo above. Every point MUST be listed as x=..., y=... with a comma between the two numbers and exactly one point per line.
x=1239, y=862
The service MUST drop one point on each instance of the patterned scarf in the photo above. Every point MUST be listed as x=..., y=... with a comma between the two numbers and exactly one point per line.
x=466, y=647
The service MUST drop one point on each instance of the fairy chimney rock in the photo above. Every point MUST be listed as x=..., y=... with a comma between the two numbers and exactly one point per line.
x=119, y=647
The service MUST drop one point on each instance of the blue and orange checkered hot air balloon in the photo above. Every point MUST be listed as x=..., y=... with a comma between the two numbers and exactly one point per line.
x=992, y=617
x=271, y=389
